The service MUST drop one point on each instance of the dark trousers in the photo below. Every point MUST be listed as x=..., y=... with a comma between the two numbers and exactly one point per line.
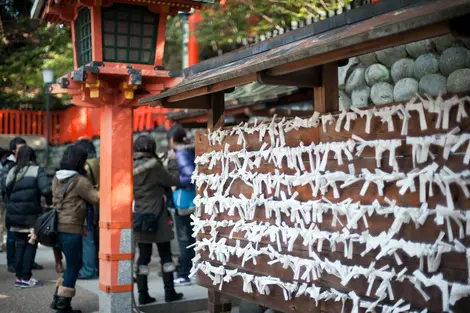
x=185, y=239
x=11, y=239
x=24, y=254
x=71, y=245
x=145, y=253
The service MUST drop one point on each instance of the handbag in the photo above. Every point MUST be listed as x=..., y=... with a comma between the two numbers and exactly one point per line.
x=46, y=224
x=183, y=200
x=145, y=222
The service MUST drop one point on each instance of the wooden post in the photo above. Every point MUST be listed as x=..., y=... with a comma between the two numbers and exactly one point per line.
x=217, y=302
x=116, y=195
x=325, y=97
x=216, y=112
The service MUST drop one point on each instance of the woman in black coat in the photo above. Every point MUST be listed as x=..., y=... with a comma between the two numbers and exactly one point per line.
x=25, y=184
x=151, y=179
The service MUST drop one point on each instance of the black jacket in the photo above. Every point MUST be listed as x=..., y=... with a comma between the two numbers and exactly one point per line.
x=5, y=167
x=23, y=190
x=150, y=180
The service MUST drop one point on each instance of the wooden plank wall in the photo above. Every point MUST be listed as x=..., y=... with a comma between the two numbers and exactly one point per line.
x=453, y=265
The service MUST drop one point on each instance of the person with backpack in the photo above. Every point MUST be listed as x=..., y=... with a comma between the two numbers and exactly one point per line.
x=183, y=197
x=71, y=192
x=90, y=241
x=151, y=216
x=7, y=165
x=25, y=184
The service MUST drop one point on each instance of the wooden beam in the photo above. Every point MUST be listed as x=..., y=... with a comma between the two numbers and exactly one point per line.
x=325, y=97
x=200, y=102
x=279, y=112
x=306, y=78
x=222, y=86
x=216, y=112
x=459, y=27
x=362, y=48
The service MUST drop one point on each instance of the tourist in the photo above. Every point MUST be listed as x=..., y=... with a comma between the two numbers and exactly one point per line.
x=14, y=145
x=25, y=184
x=71, y=192
x=151, y=216
x=90, y=241
x=183, y=197
x=7, y=165
x=4, y=168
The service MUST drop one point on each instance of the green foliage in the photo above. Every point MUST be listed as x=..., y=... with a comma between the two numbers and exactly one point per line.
x=173, y=58
x=226, y=25
x=25, y=49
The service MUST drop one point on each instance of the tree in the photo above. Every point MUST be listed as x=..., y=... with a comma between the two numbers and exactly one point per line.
x=224, y=26
x=25, y=48
x=173, y=58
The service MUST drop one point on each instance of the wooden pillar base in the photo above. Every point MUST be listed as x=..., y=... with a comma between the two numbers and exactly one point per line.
x=218, y=303
x=116, y=195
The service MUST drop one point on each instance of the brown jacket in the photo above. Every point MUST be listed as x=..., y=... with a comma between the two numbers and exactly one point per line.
x=150, y=180
x=71, y=213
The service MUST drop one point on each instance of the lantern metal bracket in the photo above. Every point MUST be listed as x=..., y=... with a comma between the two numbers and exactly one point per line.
x=63, y=82
x=96, y=64
x=175, y=74
x=80, y=74
x=135, y=76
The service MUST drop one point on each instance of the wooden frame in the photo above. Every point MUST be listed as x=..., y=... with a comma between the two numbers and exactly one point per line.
x=291, y=69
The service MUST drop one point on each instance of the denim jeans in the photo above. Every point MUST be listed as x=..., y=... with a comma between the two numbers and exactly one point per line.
x=185, y=239
x=11, y=242
x=25, y=254
x=90, y=257
x=71, y=245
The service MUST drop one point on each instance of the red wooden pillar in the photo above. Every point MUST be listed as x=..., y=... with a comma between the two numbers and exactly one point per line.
x=193, y=46
x=116, y=195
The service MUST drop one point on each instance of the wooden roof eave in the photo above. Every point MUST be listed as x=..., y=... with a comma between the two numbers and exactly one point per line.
x=425, y=19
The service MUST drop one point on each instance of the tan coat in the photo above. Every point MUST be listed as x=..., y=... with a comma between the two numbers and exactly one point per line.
x=71, y=213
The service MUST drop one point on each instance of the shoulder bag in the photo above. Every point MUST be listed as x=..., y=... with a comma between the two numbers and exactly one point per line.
x=46, y=224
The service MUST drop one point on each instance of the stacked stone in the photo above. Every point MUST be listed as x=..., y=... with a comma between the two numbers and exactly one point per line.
x=432, y=66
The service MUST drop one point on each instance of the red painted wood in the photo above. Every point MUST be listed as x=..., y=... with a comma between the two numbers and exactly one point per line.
x=116, y=186
x=96, y=35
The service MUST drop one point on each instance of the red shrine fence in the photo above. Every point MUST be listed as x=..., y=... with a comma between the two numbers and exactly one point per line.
x=74, y=122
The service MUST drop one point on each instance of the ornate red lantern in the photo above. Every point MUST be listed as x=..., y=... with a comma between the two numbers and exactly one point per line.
x=118, y=57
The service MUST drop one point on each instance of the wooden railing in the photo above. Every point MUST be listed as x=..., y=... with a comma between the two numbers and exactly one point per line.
x=73, y=123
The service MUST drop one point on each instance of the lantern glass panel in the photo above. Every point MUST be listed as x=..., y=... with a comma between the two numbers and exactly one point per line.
x=135, y=42
x=83, y=45
x=131, y=31
x=122, y=41
x=109, y=53
x=134, y=56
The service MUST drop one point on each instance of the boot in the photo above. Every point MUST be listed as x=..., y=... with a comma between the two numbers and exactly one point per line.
x=170, y=293
x=56, y=296
x=142, y=287
x=64, y=298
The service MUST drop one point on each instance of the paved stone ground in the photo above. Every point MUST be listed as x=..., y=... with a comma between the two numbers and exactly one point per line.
x=37, y=300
